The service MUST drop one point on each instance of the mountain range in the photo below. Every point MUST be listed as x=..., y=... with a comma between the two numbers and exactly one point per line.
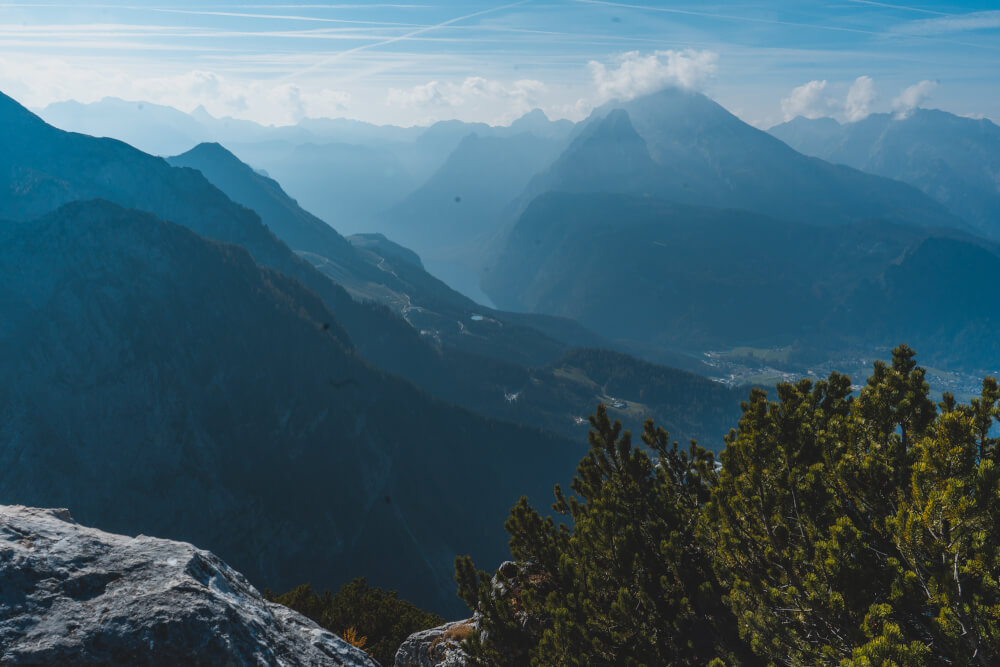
x=348, y=172
x=672, y=223
x=952, y=159
x=171, y=365
x=681, y=146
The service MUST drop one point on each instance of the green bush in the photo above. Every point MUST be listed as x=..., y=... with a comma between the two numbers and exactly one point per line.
x=375, y=613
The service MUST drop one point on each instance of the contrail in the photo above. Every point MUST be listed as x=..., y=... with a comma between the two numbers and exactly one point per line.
x=393, y=40
x=247, y=15
x=908, y=9
x=754, y=19
x=728, y=17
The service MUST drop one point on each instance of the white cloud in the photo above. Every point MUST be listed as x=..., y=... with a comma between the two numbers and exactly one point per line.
x=816, y=100
x=911, y=97
x=638, y=74
x=860, y=97
x=808, y=100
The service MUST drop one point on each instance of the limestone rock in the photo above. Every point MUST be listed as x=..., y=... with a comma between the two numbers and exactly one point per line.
x=437, y=647
x=76, y=595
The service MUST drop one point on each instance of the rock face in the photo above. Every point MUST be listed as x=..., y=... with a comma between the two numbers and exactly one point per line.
x=72, y=595
x=437, y=647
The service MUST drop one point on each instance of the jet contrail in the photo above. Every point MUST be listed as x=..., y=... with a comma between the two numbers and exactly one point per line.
x=728, y=17
x=794, y=24
x=908, y=9
x=283, y=17
x=393, y=40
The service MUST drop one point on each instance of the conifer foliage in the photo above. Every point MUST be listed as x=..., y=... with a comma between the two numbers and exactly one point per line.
x=622, y=580
x=842, y=528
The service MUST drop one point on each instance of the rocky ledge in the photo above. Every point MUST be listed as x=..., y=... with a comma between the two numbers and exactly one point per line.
x=75, y=595
x=437, y=647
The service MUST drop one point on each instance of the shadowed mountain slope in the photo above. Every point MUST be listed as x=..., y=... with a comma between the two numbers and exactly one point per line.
x=165, y=383
x=697, y=278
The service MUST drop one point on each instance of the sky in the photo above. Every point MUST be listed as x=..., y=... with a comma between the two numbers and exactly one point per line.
x=417, y=62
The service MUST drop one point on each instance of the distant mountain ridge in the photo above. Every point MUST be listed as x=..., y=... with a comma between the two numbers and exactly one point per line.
x=462, y=202
x=346, y=171
x=681, y=146
x=952, y=159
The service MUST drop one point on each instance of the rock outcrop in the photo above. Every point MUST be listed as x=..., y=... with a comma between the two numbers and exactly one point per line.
x=437, y=647
x=76, y=595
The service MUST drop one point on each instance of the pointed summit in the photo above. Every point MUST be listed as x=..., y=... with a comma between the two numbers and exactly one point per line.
x=201, y=114
x=537, y=123
x=531, y=121
x=212, y=152
x=607, y=156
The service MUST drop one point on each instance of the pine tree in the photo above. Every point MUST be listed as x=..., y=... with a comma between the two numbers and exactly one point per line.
x=621, y=579
x=840, y=530
x=861, y=531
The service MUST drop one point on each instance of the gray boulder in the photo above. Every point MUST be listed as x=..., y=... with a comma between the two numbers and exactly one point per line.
x=76, y=595
x=437, y=647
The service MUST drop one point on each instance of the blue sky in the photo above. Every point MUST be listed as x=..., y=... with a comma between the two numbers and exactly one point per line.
x=415, y=62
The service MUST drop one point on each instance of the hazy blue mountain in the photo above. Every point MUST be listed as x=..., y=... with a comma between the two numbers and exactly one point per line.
x=342, y=183
x=607, y=155
x=153, y=128
x=699, y=278
x=349, y=130
x=680, y=145
x=163, y=383
x=346, y=171
x=535, y=122
x=465, y=199
x=382, y=271
x=952, y=159
x=290, y=223
x=383, y=247
x=163, y=130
